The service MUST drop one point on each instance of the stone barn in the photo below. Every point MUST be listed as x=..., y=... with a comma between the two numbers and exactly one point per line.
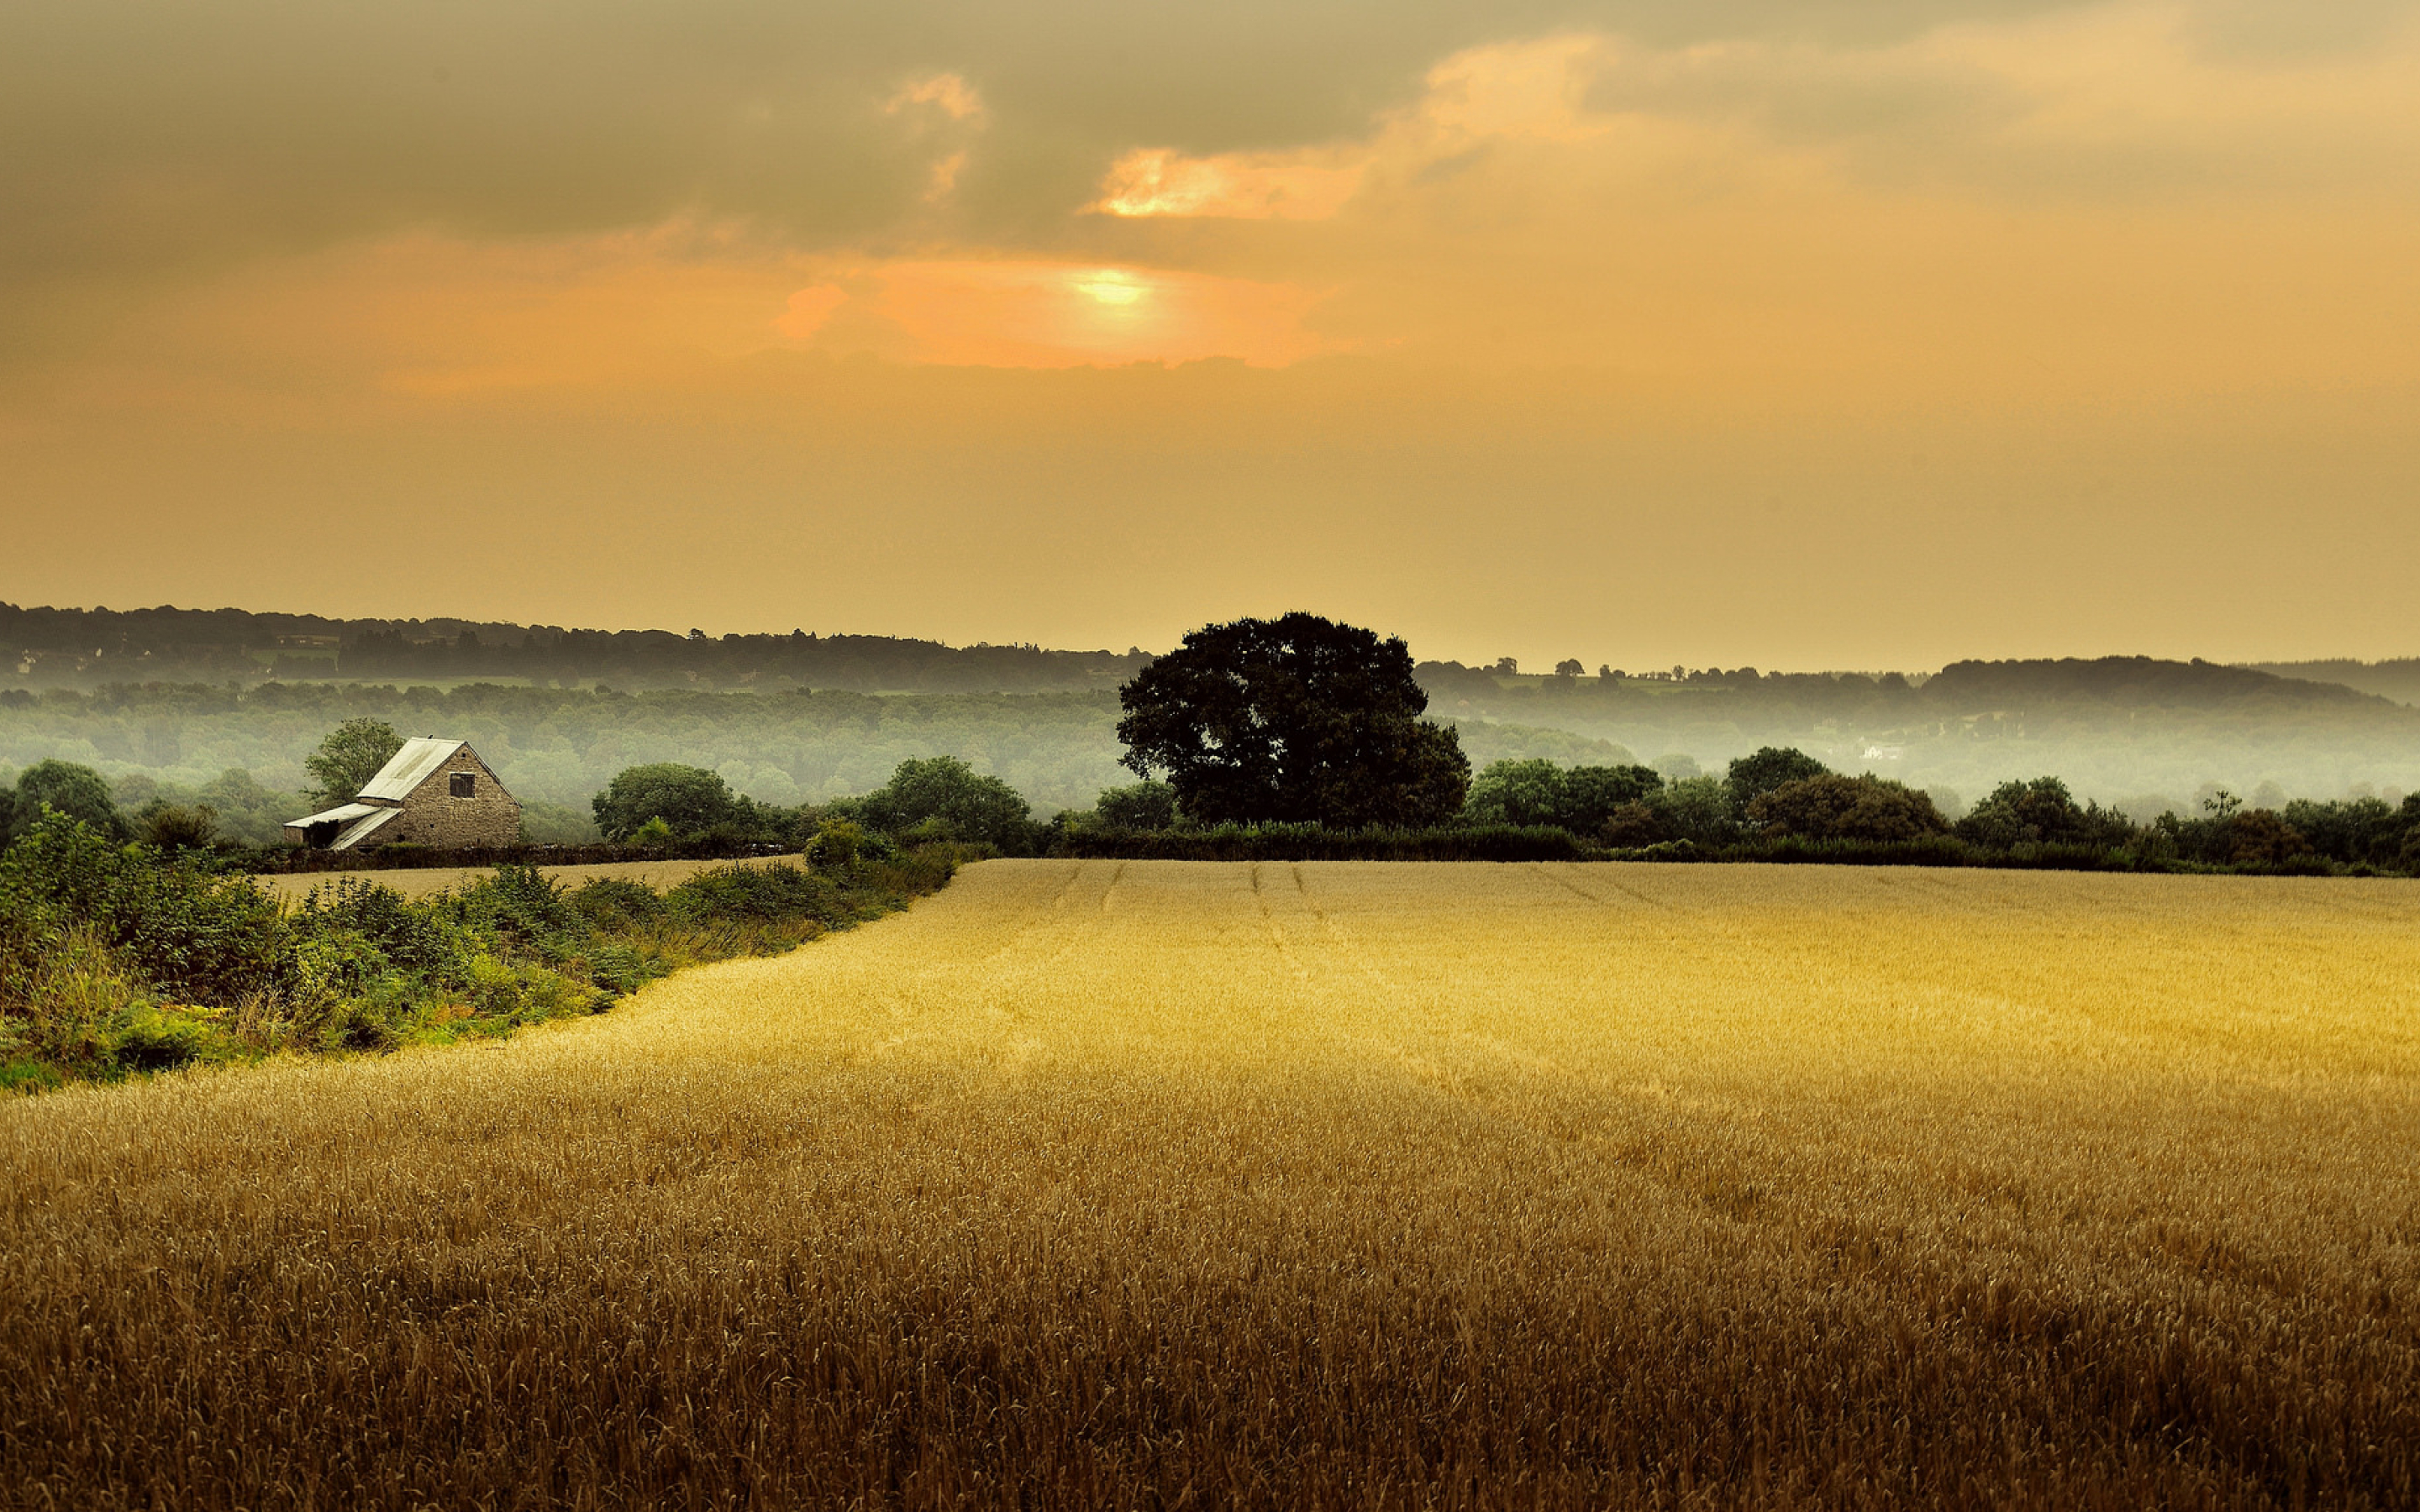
x=432, y=793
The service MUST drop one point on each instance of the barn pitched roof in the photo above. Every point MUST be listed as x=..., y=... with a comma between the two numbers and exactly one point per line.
x=410, y=767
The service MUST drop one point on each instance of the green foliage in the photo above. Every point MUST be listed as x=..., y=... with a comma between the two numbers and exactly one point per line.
x=116, y=960
x=2041, y=812
x=1581, y=799
x=1835, y=807
x=1515, y=792
x=2358, y=831
x=1697, y=810
x=689, y=800
x=1293, y=720
x=1318, y=843
x=1145, y=804
x=77, y=791
x=351, y=754
x=942, y=798
x=1753, y=776
x=172, y=826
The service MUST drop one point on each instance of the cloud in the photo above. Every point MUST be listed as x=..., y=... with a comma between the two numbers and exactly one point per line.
x=1237, y=185
x=946, y=92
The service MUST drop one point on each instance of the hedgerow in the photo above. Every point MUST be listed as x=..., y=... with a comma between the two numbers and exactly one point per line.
x=122, y=959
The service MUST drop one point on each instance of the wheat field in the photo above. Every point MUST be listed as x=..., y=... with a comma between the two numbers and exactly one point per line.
x=1137, y=1185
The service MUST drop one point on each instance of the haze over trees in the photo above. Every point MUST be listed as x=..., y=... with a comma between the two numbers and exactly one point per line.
x=87, y=648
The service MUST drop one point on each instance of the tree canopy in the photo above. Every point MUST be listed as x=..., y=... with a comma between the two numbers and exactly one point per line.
x=1145, y=805
x=689, y=800
x=1831, y=807
x=1580, y=799
x=350, y=756
x=77, y=792
x=1298, y=720
x=1753, y=776
x=948, y=797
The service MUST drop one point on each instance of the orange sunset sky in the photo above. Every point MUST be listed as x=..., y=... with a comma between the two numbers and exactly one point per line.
x=1797, y=332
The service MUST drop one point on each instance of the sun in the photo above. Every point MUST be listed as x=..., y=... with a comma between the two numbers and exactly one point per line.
x=1111, y=285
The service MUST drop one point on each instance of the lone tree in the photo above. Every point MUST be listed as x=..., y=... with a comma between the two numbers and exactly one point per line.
x=966, y=804
x=350, y=756
x=689, y=800
x=1293, y=720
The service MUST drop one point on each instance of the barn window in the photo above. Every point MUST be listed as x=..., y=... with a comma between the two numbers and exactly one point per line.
x=465, y=785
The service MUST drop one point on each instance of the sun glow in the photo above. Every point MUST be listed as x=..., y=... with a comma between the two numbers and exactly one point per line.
x=1033, y=314
x=1110, y=287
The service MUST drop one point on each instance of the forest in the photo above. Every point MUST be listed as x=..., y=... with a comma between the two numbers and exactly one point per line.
x=87, y=648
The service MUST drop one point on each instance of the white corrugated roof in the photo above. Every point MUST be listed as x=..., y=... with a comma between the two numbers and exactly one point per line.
x=343, y=813
x=362, y=829
x=410, y=767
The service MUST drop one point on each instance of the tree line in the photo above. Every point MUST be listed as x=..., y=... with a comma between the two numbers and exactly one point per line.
x=47, y=646
x=1300, y=730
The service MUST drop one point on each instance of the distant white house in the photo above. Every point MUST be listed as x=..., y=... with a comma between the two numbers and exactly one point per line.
x=433, y=792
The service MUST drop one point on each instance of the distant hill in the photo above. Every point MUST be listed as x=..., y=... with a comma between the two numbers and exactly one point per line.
x=89, y=648
x=2398, y=679
x=2115, y=727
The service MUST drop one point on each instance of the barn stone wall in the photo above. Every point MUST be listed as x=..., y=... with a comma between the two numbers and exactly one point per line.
x=433, y=816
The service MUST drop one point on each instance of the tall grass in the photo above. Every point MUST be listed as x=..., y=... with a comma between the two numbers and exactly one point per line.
x=1136, y=1185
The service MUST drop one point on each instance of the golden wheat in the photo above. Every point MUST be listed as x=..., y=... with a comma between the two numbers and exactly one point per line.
x=1146, y=1184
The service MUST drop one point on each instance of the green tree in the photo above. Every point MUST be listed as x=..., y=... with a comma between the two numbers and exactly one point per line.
x=689, y=800
x=1695, y=809
x=1752, y=777
x=2041, y=812
x=1832, y=806
x=77, y=792
x=1145, y=804
x=1593, y=794
x=1298, y=719
x=1516, y=793
x=1579, y=799
x=350, y=757
x=949, y=800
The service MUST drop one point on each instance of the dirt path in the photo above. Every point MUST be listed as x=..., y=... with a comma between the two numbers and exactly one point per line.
x=420, y=883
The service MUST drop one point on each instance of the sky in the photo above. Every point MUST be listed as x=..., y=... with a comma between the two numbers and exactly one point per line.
x=1796, y=333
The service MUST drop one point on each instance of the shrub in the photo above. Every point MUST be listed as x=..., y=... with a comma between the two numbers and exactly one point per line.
x=173, y=827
